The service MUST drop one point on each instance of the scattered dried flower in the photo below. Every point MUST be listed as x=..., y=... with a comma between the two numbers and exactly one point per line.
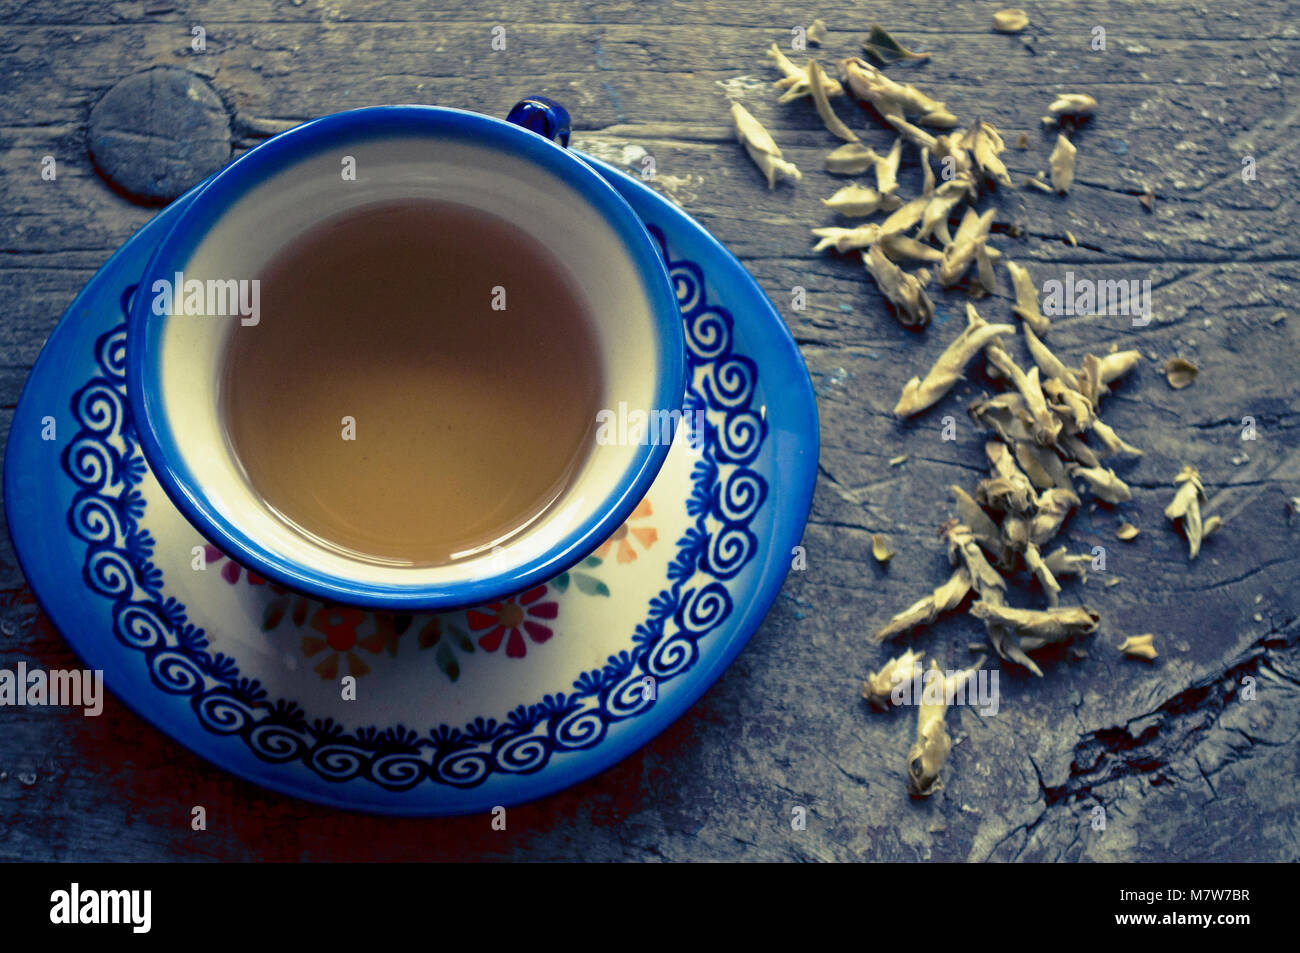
x=833, y=122
x=900, y=248
x=919, y=394
x=851, y=159
x=912, y=305
x=880, y=549
x=761, y=148
x=945, y=598
x=964, y=550
x=1073, y=104
x=856, y=201
x=846, y=239
x=878, y=689
x=816, y=33
x=1045, y=425
x=1010, y=20
x=1127, y=531
x=1104, y=483
x=985, y=143
x=1139, y=646
x=1185, y=509
x=1026, y=307
x=1062, y=164
x=932, y=746
x=1058, y=624
x=795, y=80
x=973, y=232
x=894, y=99
x=1180, y=372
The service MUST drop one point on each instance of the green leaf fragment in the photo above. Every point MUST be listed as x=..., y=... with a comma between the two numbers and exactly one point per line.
x=883, y=49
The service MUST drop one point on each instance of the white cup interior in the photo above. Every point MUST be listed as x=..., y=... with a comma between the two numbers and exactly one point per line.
x=249, y=234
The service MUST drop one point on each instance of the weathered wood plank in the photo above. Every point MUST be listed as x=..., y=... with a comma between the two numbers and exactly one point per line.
x=1186, y=93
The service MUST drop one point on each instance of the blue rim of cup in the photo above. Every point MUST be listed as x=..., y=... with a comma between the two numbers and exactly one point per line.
x=185, y=489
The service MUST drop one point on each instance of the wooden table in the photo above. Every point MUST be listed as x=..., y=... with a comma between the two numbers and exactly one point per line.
x=1184, y=766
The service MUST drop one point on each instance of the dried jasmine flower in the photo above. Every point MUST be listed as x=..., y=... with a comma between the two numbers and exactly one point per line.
x=1113, y=442
x=934, y=219
x=1127, y=532
x=1062, y=563
x=1010, y=20
x=1139, y=646
x=1104, y=483
x=1005, y=415
x=971, y=234
x=904, y=217
x=1185, y=509
x=945, y=598
x=833, y=122
x=1074, y=410
x=894, y=99
x=851, y=159
x=984, y=271
x=1022, y=141
x=1114, y=366
x=912, y=305
x=887, y=168
x=878, y=689
x=900, y=248
x=1038, y=184
x=761, y=148
x=1026, y=307
x=1054, y=506
x=1046, y=426
x=1073, y=448
x=1042, y=465
x=965, y=551
x=1053, y=368
x=1008, y=490
x=1073, y=104
x=932, y=746
x=1043, y=574
x=883, y=49
x=1007, y=645
x=1062, y=164
x=855, y=201
x=1070, y=239
x=927, y=182
x=1180, y=372
x=919, y=394
x=986, y=144
x=1058, y=624
x=795, y=80
x=816, y=33
x=898, y=460
x=846, y=239
x=981, y=525
x=880, y=549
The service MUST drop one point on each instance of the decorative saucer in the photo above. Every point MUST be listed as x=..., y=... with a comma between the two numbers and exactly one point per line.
x=420, y=714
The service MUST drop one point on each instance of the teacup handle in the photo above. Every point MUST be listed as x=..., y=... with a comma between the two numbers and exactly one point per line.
x=543, y=116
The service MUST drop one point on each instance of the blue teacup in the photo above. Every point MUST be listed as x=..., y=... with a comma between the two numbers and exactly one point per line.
x=242, y=217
